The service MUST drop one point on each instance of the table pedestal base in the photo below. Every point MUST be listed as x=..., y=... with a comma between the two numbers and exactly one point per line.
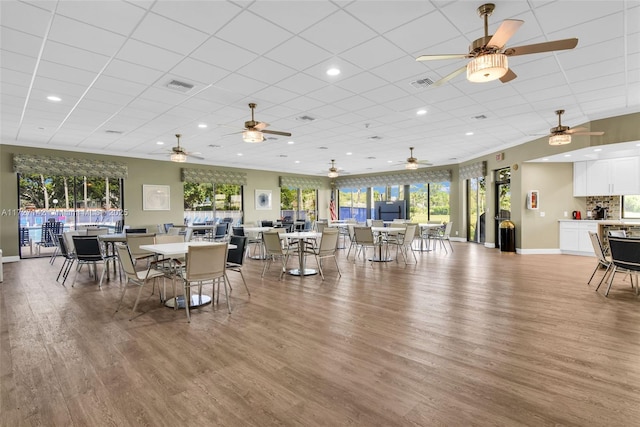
x=307, y=272
x=378, y=259
x=196, y=301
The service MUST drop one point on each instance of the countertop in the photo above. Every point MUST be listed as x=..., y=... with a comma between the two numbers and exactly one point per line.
x=605, y=221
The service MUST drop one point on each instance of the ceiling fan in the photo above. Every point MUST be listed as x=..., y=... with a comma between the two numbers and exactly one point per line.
x=254, y=131
x=490, y=55
x=561, y=135
x=413, y=163
x=179, y=155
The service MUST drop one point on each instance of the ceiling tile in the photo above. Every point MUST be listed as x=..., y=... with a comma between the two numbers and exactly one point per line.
x=254, y=33
x=222, y=54
x=205, y=16
x=167, y=34
x=330, y=33
x=134, y=51
x=116, y=16
x=83, y=36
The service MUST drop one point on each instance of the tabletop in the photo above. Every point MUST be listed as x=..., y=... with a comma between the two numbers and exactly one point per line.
x=176, y=249
x=302, y=235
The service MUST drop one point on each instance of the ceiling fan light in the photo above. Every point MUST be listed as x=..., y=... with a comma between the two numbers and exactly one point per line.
x=178, y=157
x=485, y=68
x=333, y=173
x=411, y=165
x=252, y=136
x=560, y=139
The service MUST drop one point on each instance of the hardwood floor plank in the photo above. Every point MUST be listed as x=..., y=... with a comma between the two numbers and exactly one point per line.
x=472, y=337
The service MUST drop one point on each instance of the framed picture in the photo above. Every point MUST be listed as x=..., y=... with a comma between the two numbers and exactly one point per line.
x=156, y=197
x=263, y=200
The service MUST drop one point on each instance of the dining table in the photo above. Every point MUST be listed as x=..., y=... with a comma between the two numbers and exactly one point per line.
x=172, y=251
x=385, y=232
x=302, y=237
x=255, y=233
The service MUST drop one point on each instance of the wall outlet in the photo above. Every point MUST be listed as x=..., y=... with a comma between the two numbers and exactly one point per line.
x=566, y=214
x=541, y=213
x=456, y=232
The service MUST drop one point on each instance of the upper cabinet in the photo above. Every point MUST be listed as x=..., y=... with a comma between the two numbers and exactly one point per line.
x=607, y=177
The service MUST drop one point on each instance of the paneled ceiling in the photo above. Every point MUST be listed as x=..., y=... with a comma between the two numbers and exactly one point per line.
x=110, y=63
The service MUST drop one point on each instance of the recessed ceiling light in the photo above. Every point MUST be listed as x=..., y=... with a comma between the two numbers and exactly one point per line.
x=469, y=133
x=333, y=71
x=421, y=112
x=597, y=149
x=54, y=98
x=297, y=161
x=567, y=155
x=290, y=142
x=239, y=154
x=160, y=143
x=545, y=160
x=202, y=125
x=349, y=153
x=389, y=161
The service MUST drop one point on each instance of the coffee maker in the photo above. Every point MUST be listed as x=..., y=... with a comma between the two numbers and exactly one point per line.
x=599, y=212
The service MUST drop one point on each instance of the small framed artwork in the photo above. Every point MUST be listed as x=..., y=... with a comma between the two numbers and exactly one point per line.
x=156, y=197
x=263, y=200
x=533, y=199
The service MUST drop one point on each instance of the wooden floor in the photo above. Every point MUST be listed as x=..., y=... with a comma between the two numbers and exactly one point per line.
x=473, y=337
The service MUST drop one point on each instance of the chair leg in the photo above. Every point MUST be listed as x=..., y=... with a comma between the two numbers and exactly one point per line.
x=318, y=261
x=613, y=273
x=225, y=281
x=187, y=298
x=243, y=281
x=135, y=304
x=124, y=290
x=594, y=273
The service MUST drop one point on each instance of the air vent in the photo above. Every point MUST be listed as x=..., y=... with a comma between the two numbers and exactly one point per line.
x=179, y=86
x=422, y=83
x=305, y=119
x=323, y=148
x=271, y=138
x=371, y=158
x=117, y=132
x=215, y=146
x=480, y=117
x=283, y=155
x=375, y=137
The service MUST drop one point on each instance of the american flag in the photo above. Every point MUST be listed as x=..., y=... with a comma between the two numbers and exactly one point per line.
x=332, y=207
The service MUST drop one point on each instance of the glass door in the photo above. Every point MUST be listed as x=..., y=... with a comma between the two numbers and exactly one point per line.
x=503, y=199
x=476, y=210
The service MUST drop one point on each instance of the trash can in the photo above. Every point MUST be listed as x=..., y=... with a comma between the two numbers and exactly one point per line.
x=507, y=236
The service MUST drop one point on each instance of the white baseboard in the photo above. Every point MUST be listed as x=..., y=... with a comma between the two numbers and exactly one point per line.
x=490, y=245
x=6, y=259
x=550, y=251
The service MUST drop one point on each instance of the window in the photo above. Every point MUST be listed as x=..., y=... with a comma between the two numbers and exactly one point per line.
x=298, y=204
x=631, y=206
x=73, y=202
x=202, y=205
x=429, y=202
x=353, y=203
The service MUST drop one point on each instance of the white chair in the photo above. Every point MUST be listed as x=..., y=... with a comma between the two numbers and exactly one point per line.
x=138, y=278
x=275, y=249
x=206, y=263
x=134, y=241
x=603, y=260
x=364, y=239
x=443, y=235
x=403, y=241
x=326, y=249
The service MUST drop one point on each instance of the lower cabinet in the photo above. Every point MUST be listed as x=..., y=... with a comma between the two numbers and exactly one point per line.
x=574, y=237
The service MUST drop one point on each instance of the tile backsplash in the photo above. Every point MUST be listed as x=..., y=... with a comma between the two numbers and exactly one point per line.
x=614, y=203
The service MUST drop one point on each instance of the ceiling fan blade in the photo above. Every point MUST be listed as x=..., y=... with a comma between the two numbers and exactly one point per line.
x=261, y=126
x=275, y=132
x=504, y=32
x=542, y=47
x=234, y=133
x=194, y=156
x=438, y=57
x=588, y=133
x=508, y=77
x=449, y=76
x=574, y=130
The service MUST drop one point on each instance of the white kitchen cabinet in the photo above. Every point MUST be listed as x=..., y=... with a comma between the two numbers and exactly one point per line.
x=612, y=176
x=579, y=179
x=574, y=237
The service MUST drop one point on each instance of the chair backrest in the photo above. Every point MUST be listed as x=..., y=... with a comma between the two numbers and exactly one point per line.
x=597, y=247
x=272, y=242
x=238, y=231
x=126, y=261
x=221, y=231
x=62, y=244
x=363, y=235
x=409, y=233
x=398, y=224
x=97, y=231
x=447, y=230
x=377, y=223
x=236, y=255
x=300, y=225
x=118, y=226
x=617, y=233
x=206, y=262
x=174, y=230
x=24, y=236
x=134, y=241
x=266, y=223
x=135, y=230
x=187, y=234
x=87, y=248
x=321, y=226
x=329, y=240
x=166, y=238
x=167, y=226
x=625, y=252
